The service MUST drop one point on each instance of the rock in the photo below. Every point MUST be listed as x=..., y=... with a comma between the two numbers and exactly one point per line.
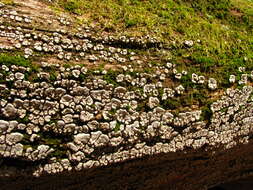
x=17, y=150
x=169, y=65
x=2, y=86
x=18, y=45
x=38, y=46
x=66, y=100
x=116, y=141
x=153, y=102
x=19, y=76
x=28, y=52
x=149, y=88
x=5, y=68
x=69, y=128
x=44, y=75
x=212, y=84
x=86, y=116
x=76, y=73
x=82, y=138
x=12, y=125
x=94, y=137
x=178, y=76
x=9, y=110
x=81, y=91
x=21, y=126
x=34, y=137
x=201, y=80
x=180, y=89
x=67, y=118
x=244, y=79
x=195, y=78
x=120, y=92
x=104, y=126
x=184, y=72
x=241, y=69
x=72, y=146
x=120, y=78
x=188, y=43
x=13, y=138
x=232, y=78
x=43, y=150
x=102, y=140
x=3, y=126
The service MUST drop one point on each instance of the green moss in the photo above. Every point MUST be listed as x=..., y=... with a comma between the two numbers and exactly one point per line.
x=112, y=111
x=10, y=59
x=8, y=2
x=24, y=120
x=53, y=76
x=82, y=77
x=52, y=141
x=186, y=81
x=223, y=26
x=171, y=103
x=225, y=35
x=207, y=112
x=216, y=8
x=130, y=22
x=67, y=65
x=205, y=63
x=110, y=77
x=59, y=154
x=19, y=60
x=71, y=6
x=117, y=127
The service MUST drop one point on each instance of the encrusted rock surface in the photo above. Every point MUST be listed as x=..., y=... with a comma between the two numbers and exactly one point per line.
x=72, y=127
x=89, y=123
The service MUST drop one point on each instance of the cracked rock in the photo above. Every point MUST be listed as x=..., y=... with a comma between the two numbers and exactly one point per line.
x=13, y=138
x=9, y=110
x=153, y=102
x=212, y=84
x=81, y=138
x=86, y=116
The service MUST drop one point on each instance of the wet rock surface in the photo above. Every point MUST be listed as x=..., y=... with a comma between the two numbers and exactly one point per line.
x=73, y=123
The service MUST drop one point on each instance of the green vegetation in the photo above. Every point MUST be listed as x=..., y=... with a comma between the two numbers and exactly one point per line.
x=207, y=112
x=71, y=5
x=117, y=127
x=171, y=104
x=24, y=120
x=9, y=59
x=53, y=76
x=8, y=2
x=224, y=28
x=110, y=77
x=17, y=59
x=222, y=32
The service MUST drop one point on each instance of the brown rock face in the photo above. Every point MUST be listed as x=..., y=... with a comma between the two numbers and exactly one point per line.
x=83, y=109
x=191, y=170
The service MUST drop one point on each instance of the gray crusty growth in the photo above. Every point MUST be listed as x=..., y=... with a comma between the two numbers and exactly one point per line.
x=61, y=111
x=75, y=123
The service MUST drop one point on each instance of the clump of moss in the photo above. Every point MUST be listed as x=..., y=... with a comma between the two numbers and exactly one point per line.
x=207, y=112
x=53, y=76
x=171, y=103
x=8, y=59
x=216, y=8
x=71, y=6
x=117, y=127
x=19, y=60
x=8, y=2
x=110, y=77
